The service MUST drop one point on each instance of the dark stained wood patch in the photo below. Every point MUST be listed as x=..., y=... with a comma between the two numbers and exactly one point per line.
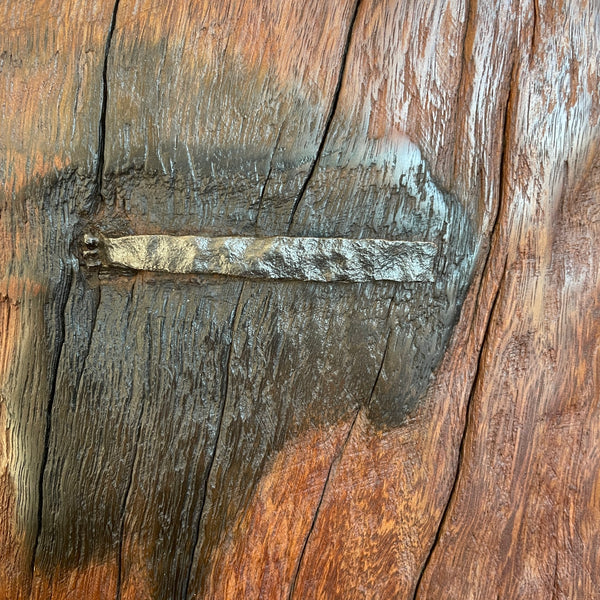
x=167, y=436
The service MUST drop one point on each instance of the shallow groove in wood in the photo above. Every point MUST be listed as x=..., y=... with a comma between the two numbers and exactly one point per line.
x=127, y=494
x=463, y=45
x=77, y=387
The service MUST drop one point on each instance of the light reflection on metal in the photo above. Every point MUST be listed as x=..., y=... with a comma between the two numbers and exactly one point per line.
x=280, y=257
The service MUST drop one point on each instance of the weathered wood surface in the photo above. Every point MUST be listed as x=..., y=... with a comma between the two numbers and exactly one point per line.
x=181, y=437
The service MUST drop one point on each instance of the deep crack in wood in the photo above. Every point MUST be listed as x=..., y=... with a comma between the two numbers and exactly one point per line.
x=280, y=257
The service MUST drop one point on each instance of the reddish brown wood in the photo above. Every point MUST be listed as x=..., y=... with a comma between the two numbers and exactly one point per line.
x=489, y=488
x=526, y=491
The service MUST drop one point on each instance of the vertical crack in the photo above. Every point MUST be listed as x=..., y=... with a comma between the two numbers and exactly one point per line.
x=236, y=320
x=64, y=292
x=461, y=450
x=103, y=106
x=494, y=235
x=329, y=120
x=336, y=460
x=534, y=29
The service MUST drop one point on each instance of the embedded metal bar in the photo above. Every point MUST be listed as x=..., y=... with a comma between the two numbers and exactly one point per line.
x=281, y=257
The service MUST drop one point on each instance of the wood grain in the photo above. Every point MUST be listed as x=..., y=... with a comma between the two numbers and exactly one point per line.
x=198, y=437
x=526, y=490
x=51, y=60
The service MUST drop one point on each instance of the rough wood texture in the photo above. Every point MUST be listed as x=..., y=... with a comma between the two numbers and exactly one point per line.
x=51, y=91
x=197, y=437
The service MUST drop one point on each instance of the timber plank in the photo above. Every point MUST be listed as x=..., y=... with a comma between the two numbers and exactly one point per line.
x=197, y=437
